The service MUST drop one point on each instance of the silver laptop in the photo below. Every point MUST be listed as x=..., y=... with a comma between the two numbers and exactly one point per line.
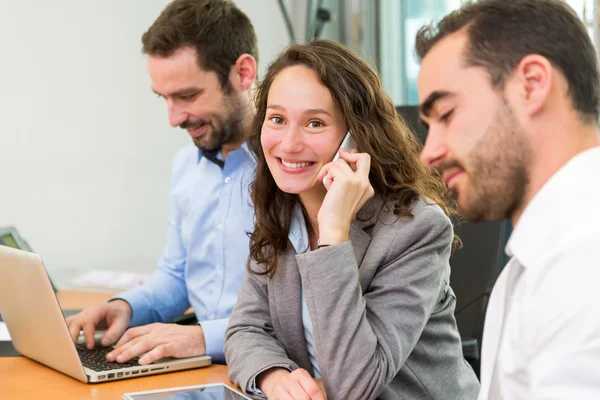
x=38, y=329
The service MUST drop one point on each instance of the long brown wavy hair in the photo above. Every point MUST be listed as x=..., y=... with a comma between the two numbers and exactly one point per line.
x=396, y=173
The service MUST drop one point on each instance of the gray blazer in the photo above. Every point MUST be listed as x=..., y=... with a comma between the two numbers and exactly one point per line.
x=381, y=307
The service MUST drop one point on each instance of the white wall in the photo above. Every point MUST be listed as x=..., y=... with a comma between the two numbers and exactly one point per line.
x=270, y=27
x=85, y=147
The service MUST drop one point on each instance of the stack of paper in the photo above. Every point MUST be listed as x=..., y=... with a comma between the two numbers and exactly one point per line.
x=110, y=279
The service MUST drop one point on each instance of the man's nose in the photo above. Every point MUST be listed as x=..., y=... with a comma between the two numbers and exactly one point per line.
x=434, y=149
x=177, y=115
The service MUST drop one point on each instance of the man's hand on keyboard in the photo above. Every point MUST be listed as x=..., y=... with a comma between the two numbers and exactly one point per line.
x=113, y=316
x=157, y=341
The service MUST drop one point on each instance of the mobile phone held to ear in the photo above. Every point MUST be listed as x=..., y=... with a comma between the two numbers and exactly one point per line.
x=348, y=144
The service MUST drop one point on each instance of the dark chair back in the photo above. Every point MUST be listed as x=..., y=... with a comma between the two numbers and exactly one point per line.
x=475, y=268
x=411, y=116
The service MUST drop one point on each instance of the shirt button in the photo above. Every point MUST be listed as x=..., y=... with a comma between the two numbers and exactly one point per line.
x=219, y=271
x=227, y=180
x=220, y=227
x=211, y=316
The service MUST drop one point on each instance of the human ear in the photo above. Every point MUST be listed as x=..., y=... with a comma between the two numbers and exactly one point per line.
x=243, y=72
x=533, y=80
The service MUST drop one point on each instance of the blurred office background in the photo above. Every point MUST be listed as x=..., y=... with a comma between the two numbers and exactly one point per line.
x=383, y=31
x=85, y=147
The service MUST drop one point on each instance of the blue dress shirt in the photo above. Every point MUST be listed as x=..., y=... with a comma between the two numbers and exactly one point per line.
x=207, y=246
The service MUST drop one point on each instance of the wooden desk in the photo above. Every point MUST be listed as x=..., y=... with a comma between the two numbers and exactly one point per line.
x=21, y=378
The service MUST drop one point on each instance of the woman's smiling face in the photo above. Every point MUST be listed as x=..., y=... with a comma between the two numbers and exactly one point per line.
x=302, y=130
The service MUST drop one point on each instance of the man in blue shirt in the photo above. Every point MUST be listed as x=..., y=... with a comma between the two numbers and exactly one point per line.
x=202, y=60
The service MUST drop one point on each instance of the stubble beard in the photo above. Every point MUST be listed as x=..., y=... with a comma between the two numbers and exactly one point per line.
x=499, y=171
x=224, y=128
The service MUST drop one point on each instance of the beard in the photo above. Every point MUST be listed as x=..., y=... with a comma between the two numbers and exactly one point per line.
x=224, y=128
x=497, y=171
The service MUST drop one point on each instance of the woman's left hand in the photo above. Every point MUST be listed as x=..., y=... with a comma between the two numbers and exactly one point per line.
x=349, y=190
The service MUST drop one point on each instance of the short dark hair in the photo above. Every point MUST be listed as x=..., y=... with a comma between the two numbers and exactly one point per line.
x=218, y=31
x=502, y=32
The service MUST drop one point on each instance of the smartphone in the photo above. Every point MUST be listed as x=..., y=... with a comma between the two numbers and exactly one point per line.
x=348, y=144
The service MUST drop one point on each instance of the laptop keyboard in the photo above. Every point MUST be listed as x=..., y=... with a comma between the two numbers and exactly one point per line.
x=96, y=359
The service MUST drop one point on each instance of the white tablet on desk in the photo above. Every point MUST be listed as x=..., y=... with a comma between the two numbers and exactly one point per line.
x=215, y=391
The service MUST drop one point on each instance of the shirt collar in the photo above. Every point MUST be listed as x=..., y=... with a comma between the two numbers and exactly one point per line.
x=298, y=234
x=367, y=216
x=548, y=220
x=212, y=156
x=217, y=157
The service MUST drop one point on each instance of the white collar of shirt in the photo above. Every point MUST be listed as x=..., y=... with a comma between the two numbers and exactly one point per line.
x=548, y=220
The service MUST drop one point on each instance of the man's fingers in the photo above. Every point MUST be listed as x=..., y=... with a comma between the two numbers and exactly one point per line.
x=114, y=332
x=113, y=355
x=155, y=354
x=137, y=347
x=126, y=338
x=133, y=333
x=74, y=330
x=88, y=334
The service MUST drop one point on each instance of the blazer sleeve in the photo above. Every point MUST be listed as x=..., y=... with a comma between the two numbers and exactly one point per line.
x=250, y=343
x=363, y=339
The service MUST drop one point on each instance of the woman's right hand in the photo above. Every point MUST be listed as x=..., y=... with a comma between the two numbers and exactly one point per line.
x=280, y=384
x=349, y=190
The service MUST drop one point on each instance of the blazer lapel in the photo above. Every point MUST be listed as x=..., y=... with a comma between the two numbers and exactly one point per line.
x=366, y=218
x=288, y=303
x=360, y=240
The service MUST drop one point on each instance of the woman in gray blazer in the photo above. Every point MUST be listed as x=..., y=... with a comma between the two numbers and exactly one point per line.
x=348, y=293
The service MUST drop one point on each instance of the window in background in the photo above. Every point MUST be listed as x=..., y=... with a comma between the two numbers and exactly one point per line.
x=586, y=10
x=328, y=18
x=351, y=22
x=399, y=22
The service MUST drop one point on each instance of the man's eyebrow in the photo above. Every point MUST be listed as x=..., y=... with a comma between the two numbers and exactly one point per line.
x=181, y=92
x=426, y=107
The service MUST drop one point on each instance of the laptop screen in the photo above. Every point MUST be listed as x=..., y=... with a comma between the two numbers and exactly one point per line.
x=8, y=240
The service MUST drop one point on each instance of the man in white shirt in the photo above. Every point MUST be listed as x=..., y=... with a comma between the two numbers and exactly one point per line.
x=510, y=93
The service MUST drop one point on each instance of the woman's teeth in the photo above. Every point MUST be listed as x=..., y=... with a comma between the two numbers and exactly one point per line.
x=295, y=165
